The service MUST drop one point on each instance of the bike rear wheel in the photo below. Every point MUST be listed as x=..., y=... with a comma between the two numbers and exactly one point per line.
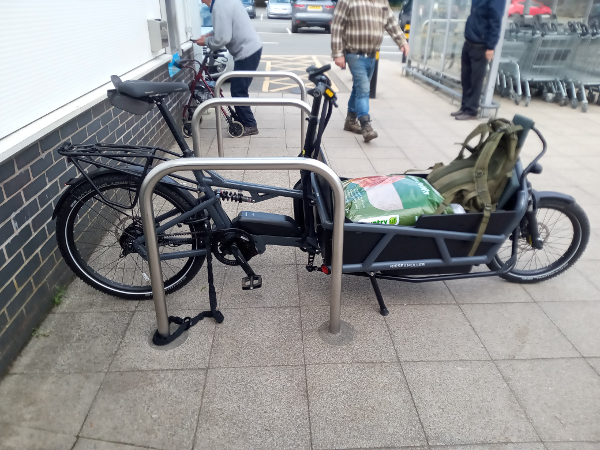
x=564, y=230
x=95, y=239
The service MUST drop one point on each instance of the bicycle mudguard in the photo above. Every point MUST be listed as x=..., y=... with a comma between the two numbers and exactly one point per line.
x=551, y=194
x=76, y=182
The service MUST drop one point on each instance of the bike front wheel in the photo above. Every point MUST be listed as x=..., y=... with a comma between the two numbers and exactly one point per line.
x=564, y=230
x=96, y=240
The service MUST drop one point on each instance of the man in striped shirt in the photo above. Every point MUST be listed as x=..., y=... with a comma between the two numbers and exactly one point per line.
x=356, y=35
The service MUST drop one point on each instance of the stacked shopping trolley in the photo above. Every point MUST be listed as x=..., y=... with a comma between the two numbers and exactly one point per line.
x=562, y=64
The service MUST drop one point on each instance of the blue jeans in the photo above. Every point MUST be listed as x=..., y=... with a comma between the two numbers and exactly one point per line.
x=362, y=69
x=239, y=87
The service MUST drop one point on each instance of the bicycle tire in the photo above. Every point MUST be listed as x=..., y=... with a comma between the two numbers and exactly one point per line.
x=110, y=230
x=574, y=249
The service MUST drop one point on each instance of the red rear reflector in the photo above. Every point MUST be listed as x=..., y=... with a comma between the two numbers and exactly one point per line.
x=325, y=269
x=299, y=6
x=329, y=7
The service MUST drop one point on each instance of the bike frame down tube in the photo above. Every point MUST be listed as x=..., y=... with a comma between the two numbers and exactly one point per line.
x=237, y=101
x=199, y=164
x=261, y=74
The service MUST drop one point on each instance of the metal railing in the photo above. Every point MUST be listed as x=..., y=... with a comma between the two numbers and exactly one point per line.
x=147, y=213
x=260, y=74
x=237, y=101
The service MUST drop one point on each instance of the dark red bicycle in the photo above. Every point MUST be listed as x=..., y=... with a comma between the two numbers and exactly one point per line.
x=202, y=88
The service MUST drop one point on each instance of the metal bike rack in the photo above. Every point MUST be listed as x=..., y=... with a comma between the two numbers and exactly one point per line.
x=260, y=74
x=239, y=101
x=147, y=213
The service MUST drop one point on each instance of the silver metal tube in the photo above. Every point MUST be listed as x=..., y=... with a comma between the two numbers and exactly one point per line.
x=173, y=27
x=262, y=74
x=447, y=36
x=235, y=101
x=312, y=165
x=426, y=55
x=488, y=95
x=526, y=9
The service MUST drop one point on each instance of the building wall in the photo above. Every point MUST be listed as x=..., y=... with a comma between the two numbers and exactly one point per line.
x=31, y=182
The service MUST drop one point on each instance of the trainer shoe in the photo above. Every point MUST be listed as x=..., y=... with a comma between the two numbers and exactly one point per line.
x=466, y=117
x=457, y=113
x=352, y=124
x=367, y=130
x=250, y=131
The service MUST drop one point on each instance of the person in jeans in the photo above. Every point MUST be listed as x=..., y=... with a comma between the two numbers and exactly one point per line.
x=356, y=35
x=233, y=29
x=482, y=32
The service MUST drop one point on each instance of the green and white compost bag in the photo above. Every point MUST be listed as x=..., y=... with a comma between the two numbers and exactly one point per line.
x=391, y=200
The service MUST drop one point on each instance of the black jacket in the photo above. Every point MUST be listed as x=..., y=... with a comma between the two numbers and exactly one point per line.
x=483, y=25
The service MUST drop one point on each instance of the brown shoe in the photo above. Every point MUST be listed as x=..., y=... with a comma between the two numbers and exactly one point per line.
x=466, y=117
x=457, y=113
x=351, y=124
x=367, y=130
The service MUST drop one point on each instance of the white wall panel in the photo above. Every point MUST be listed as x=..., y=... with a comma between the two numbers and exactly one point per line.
x=52, y=52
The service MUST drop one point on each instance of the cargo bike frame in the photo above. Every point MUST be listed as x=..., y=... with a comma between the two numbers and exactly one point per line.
x=193, y=229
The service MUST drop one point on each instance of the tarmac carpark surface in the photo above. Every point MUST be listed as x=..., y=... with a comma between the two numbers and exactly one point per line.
x=473, y=364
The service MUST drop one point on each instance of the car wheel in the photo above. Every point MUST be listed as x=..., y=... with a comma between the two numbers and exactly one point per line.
x=294, y=28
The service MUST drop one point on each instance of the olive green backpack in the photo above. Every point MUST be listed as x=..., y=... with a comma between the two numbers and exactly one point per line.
x=477, y=181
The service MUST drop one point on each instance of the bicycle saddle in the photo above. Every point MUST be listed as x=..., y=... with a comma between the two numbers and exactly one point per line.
x=141, y=89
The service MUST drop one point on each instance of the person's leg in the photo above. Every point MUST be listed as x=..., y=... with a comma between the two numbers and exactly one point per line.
x=362, y=70
x=360, y=67
x=351, y=123
x=478, y=66
x=239, y=88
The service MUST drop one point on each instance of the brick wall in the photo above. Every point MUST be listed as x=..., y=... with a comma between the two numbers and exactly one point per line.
x=31, y=182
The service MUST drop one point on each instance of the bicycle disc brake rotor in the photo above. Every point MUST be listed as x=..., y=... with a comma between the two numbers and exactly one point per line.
x=222, y=240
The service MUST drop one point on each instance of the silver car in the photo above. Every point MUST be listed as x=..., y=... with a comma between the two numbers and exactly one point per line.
x=279, y=9
x=312, y=13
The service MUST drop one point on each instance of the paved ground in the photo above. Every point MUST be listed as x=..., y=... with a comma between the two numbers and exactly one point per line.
x=472, y=365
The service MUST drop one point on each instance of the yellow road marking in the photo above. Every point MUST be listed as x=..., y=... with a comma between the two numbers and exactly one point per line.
x=267, y=79
x=292, y=63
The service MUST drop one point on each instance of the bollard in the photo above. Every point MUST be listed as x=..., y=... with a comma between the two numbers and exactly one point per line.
x=373, y=88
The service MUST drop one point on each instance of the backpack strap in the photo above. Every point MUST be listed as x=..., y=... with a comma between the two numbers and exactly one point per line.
x=481, y=182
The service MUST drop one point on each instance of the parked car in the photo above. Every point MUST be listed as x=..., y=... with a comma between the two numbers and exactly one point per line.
x=404, y=15
x=279, y=9
x=225, y=62
x=594, y=17
x=250, y=8
x=312, y=13
x=517, y=7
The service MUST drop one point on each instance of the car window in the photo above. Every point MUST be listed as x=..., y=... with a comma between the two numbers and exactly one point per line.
x=247, y=2
x=279, y=1
x=205, y=15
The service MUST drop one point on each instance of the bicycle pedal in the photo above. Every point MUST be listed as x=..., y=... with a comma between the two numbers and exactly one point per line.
x=251, y=282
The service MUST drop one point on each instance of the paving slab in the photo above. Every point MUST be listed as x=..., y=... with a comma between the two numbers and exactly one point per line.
x=83, y=298
x=518, y=331
x=13, y=437
x=487, y=290
x=315, y=287
x=254, y=407
x=433, y=333
x=279, y=289
x=568, y=286
x=51, y=402
x=561, y=396
x=258, y=337
x=74, y=342
x=90, y=444
x=398, y=293
x=371, y=342
x=520, y=446
x=573, y=445
x=466, y=402
x=579, y=322
x=136, y=352
x=595, y=363
x=153, y=408
x=361, y=405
